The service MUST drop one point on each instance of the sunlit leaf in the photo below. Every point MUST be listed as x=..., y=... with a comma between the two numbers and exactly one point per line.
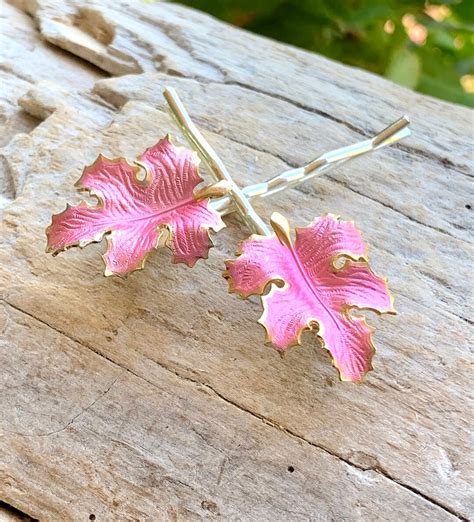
x=404, y=67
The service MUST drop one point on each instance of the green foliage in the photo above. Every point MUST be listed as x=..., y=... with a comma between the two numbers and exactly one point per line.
x=397, y=39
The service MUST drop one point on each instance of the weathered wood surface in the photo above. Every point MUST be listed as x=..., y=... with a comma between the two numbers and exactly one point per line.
x=153, y=397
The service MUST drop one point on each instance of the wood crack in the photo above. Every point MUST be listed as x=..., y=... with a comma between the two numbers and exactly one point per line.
x=445, y=162
x=80, y=414
x=428, y=309
x=398, y=211
x=76, y=340
x=16, y=513
x=269, y=422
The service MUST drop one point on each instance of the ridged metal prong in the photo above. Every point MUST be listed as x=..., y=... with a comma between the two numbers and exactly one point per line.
x=390, y=135
x=237, y=198
x=392, y=132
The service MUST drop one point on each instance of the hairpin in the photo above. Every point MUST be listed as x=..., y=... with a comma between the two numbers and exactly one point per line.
x=316, y=281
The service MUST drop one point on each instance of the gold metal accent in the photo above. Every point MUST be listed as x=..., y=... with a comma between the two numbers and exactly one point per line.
x=216, y=190
x=282, y=229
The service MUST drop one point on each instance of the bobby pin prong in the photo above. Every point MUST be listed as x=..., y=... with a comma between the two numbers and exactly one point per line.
x=321, y=165
x=237, y=199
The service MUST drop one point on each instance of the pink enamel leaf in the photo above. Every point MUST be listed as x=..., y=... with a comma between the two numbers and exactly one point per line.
x=309, y=292
x=134, y=213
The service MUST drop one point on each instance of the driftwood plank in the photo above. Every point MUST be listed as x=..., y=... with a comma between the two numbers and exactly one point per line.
x=154, y=396
x=125, y=37
x=119, y=445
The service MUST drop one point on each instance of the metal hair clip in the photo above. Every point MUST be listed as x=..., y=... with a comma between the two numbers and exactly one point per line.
x=317, y=280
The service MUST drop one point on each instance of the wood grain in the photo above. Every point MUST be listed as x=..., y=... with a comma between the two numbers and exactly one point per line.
x=153, y=397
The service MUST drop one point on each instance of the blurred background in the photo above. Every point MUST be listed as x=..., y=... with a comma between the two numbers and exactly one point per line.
x=426, y=46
